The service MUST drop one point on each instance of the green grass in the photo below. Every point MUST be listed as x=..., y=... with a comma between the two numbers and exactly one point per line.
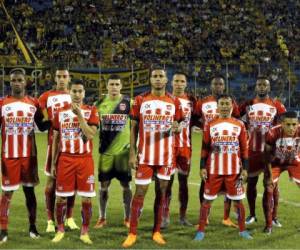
x=217, y=236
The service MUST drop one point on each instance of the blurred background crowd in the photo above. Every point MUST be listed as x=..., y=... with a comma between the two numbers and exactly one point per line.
x=242, y=38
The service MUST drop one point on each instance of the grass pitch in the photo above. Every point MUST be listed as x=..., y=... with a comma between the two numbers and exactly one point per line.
x=217, y=236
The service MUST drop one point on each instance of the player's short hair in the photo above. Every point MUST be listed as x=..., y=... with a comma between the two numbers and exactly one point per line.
x=76, y=82
x=61, y=66
x=289, y=114
x=225, y=96
x=178, y=72
x=157, y=67
x=262, y=77
x=18, y=71
x=217, y=76
x=114, y=77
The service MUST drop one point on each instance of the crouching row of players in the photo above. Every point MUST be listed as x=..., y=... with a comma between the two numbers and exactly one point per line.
x=159, y=120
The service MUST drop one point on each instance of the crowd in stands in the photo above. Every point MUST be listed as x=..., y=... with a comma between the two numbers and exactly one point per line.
x=196, y=35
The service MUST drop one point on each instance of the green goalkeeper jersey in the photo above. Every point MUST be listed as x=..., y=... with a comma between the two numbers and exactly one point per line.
x=114, y=125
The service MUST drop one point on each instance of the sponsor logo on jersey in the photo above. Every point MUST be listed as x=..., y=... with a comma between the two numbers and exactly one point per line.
x=66, y=125
x=235, y=129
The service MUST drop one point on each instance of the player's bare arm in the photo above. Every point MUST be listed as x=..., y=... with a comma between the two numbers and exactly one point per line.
x=55, y=146
x=203, y=171
x=268, y=171
x=88, y=130
x=133, y=139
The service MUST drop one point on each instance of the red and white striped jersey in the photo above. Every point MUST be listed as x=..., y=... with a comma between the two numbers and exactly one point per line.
x=285, y=149
x=52, y=101
x=260, y=116
x=207, y=109
x=17, y=122
x=155, y=116
x=72, y=140
x=183, y=139
x=224, y=145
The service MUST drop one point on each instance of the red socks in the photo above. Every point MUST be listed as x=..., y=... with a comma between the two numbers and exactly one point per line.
x=204, y=211
x=50, y=201
x=136, y=206
x=61, y=208
x=4, y=209
x=86, y=214
x=240, y=209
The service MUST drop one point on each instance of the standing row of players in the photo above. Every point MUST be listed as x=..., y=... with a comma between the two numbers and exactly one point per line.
x=162, y=122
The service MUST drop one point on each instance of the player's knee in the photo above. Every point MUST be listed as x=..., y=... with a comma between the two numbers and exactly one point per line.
x=50, y=183
x=61, y=199
x=125, y=185
x=104, y=185
x=28, y=190
x=140, y=191
x=86, y=199
x=237, y=202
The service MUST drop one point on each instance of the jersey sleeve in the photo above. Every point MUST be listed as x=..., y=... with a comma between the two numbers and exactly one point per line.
x=243, y=108
x=243, y=140
x=1, y=104
x=235, y=110
x=195, y=118
x=179, y=116
x=198, y=108
x=280, y=107
x=135, y=109
x=43, y=101
x=271, y=136
x=94, y=117
x=205, y=141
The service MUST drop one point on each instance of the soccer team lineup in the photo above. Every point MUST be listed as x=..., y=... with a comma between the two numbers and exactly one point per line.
x=142, y=140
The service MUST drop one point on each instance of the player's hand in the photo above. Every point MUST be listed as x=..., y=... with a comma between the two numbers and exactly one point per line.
x=268, y=181
x=132, y=161
x=244, y=176
x=76, y=109
x=176, y=128
x=203, y=174
x=53, y=171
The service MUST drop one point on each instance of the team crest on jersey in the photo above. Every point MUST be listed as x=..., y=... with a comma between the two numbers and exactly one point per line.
x=32, y=109
x=86, y=114
x=169, y=107
x=91, y=179
x=122, y=106
x=235, y=129
x=54, y=99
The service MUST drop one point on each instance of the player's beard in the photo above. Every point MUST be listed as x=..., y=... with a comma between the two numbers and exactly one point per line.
x=262, y=95
x=17, y=91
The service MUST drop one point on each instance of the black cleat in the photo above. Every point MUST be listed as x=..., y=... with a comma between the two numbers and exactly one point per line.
x=3, y=236
x=268, y=230
x=33, y=233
